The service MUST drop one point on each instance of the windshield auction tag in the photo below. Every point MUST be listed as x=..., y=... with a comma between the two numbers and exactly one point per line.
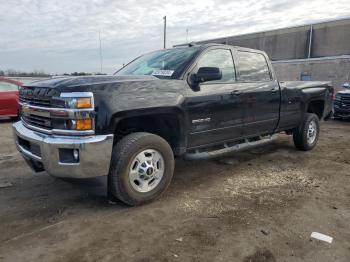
x=163, y=72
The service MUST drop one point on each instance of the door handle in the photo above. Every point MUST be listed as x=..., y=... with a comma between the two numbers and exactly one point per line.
x=235, y=92
x=274, y=89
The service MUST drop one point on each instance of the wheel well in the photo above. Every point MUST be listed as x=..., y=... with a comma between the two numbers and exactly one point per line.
x=166, y=126
x=316, y=107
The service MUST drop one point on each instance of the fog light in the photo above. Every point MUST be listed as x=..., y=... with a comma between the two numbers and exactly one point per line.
x=76, y=154
x=68, y=155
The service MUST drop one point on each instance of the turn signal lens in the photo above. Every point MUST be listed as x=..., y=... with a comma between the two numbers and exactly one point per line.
x=84, y=102
x=83, y=124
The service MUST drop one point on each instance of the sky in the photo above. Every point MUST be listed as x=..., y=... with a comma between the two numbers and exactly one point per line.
x=59, y=36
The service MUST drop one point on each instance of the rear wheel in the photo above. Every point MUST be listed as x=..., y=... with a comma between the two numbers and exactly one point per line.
x=141, y=169
x=306, y=135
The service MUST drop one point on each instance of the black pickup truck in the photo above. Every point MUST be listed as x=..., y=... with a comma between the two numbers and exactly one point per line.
x=195, y=101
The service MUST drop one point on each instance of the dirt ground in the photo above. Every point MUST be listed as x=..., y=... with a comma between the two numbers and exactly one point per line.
x=258, y=205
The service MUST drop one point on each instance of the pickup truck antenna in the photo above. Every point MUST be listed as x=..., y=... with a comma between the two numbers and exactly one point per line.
x=99, y=37
x=164, y=31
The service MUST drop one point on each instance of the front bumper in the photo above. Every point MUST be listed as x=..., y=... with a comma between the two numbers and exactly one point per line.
x=43, y=152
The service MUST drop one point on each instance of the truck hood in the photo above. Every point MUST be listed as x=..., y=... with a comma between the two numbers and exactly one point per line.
x=128, y=87
x=78, y=81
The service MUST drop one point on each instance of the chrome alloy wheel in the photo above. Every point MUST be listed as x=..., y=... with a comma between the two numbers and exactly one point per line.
x=146, y=170
x=311, y=132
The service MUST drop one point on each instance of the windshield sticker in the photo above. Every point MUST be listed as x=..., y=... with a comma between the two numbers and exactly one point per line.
x=163, y=72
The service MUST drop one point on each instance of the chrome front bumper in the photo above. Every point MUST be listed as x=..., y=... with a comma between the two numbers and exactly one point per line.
x=43, y=152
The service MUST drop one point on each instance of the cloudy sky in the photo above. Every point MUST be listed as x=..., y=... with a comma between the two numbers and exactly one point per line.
x=60, y=36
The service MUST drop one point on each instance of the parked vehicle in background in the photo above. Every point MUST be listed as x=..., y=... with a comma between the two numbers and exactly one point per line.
x=9, y=106
x=193, y=101
x=342, y=103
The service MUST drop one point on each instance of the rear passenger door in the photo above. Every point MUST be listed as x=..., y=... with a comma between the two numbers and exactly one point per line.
x=260, y=91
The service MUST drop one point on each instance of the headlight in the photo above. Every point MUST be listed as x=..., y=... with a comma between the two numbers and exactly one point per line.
x=75, y=111
x=74, y=100
x=81, y=102
x=337, y=97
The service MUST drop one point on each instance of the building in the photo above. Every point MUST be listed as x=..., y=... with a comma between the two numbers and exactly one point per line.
x=319, y=51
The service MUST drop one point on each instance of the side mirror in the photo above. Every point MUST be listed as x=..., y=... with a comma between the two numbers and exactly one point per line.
x=207, y=74
x=346, y=85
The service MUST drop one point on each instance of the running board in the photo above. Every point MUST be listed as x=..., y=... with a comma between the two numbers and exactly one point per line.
x=229, y=149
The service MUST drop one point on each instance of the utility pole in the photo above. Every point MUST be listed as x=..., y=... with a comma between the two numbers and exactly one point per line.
x=99, y=37
x=164, y=31
x=310, y=41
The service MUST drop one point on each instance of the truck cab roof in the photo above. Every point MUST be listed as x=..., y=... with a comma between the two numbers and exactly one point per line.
x=208, y=45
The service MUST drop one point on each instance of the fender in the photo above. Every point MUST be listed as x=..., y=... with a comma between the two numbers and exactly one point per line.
x=321, y=95
x=157, y=112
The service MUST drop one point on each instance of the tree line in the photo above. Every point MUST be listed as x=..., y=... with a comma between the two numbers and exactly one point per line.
x=82, y=74
x=40, y=73
x=16, y=73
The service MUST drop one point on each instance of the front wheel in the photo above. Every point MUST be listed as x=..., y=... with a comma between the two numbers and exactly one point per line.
x=306, y=135
x=141, y=168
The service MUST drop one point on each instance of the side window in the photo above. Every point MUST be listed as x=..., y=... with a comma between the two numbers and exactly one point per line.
x=252, y=67
x=5, y=86
x=221, y=58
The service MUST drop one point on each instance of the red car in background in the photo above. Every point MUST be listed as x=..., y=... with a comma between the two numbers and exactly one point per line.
x=9, y=106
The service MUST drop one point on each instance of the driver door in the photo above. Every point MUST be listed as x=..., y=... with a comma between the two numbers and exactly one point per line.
x=214, y=108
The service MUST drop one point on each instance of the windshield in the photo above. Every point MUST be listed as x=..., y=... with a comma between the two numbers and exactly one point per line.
x=162, y=64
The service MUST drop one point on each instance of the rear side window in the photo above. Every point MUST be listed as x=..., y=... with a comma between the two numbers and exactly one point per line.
x=252, y=67
x=5, y=86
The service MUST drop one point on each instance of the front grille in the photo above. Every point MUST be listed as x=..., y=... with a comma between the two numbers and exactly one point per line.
x=35, y=101
x=39, y=121
x=345, y=99
x=37, y=96
x=343, y=102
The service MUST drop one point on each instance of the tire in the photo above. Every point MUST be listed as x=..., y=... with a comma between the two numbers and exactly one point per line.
x=131, y=158
x=306, y=135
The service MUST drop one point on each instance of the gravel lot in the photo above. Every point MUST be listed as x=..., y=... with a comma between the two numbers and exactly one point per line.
x=258, y=205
